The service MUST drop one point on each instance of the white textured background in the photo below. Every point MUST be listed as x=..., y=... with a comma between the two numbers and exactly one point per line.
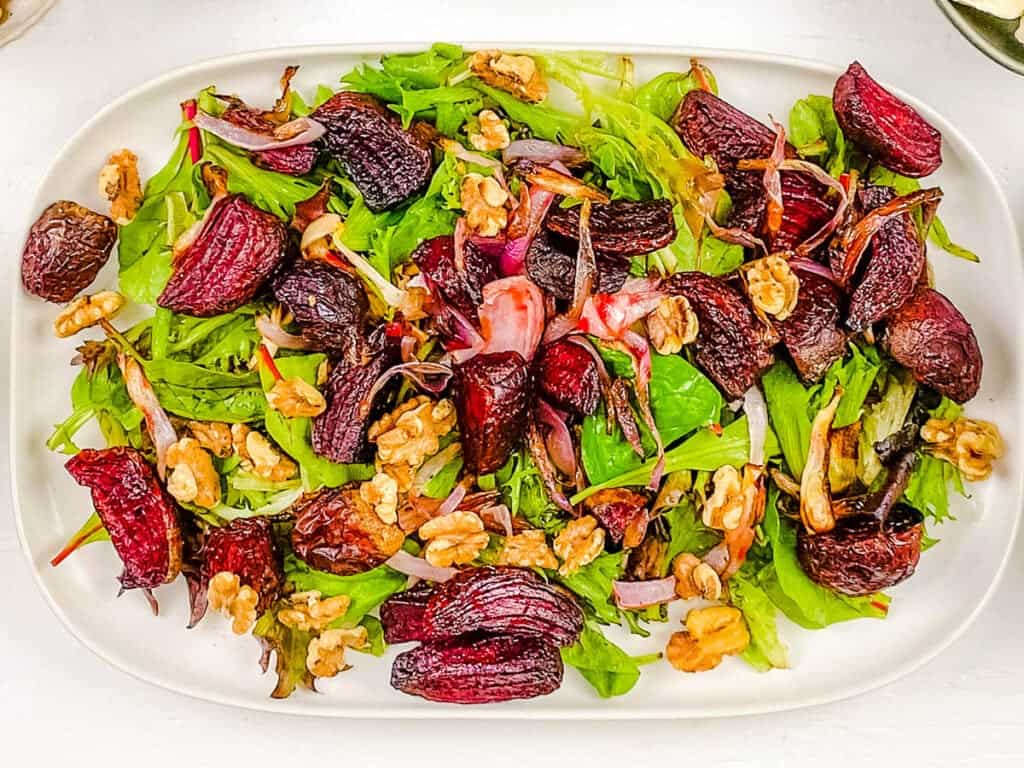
x=61, y=705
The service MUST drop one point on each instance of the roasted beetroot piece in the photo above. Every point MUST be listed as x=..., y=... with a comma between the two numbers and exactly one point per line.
x=402, y=614
x=245, y=547
x=894, y=266
x=622, y=513
x=295, y=161
x=330, y=305
x=551, y=264
x=710, y=126
x=505, y=601
x=812, y=333
x=460, y=288
x=479, y=670
x=566, y=376
x=621, y=227
x=339, y=433
x=889, y=129
x=731, y=346
x=492, y=396
x=930, y=337
x=230, y=259
x=861, y=556
x=137, y=512
x=386, y=163
x=336, y=531
x=66, y=248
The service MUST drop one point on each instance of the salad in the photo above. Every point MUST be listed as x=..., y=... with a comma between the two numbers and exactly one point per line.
x=427, y=360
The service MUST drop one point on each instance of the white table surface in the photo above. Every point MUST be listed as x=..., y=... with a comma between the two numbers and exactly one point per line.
x=60, y=704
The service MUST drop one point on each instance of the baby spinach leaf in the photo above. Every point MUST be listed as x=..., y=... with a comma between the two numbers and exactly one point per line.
x=687, y=532
x=593, y=582
x=661, y=94
x=765, y=651
x=608, y=668
x=815, y=132
x=276, y=193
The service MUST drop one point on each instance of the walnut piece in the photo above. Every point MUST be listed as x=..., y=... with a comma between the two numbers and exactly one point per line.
x=493, y=133
x=723, y=511
x=226, y=595
x=259, y=456
x=453, y=539
x=970, y=445
x=483, y=200
x=86, y=311
x=325, y=654
x=518, y=75
x=707, y=582
x=381, y=493
x=774, y=287
x=579, y=543
x=296, y=398
x=682, y=568
x=309, y=612
x=119, y=183
x=528, y=549
x=672, y=325
x=711, y=633
x=408, y=435
x=214, y=436
x=193, y=478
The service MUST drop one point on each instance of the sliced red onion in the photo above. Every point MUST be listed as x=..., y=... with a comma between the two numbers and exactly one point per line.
x=718, y=557
x=640, y=351
x=563, y=183
x=603, y=378
x=391, y=294
x=159, y=426
x=610, y=315
x=451, y=503
x=321, y=227
x=407, y=347
x=543, y=152
x=435, y=464
x=735, y=235
x=417, y=567
x=559, y=327
x=773, y=180
x=275, y=334
x=499, y=516
x=417, y=371
x=459, y=243
x=559, y=440
x=813, y=267
x=757, y=423
x=546, y=470
x=303, y=130
x=512, y=316
x=586, y=265
x=641, y=594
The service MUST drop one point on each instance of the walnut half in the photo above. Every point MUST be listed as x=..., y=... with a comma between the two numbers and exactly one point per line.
x=711, y=633
x=86, y=311
x=970, y=445
x=229, y=597
x=119, y=183
x=483, y=200
x=325, y=654
x=453, y=539
x=579, y=543
x=519, y=75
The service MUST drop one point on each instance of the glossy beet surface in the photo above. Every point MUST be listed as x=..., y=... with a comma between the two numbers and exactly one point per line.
x=402, y=614
x=812, y=334
x=336, y=531
x=930, y=337
x=566, y=376
x=551, y=264
x=478, y=670
x=492, y=397
x=66, y=248
x=894, y=265
x=861, y=555
x=731, y=345
x=387, y=164
x=328, y=304
x=622, y=513
x=889, y=129
x=238, y=248
x=507, y=601
x=621, y=227
x=461, y=288
x=245, y=547
x=137, y=512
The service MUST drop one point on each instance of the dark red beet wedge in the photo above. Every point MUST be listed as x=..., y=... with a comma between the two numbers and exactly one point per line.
x=812, y=334
x=402, y=614
x=388, y=164
x=462, y=289
x=731, y=345
x=330, y=305
x=66, y=248
x=551, y=264
x=566, y=376
x=930, y=337
x=506, y=601
x=137, y=512
x=492, y=397
x=889, y=129
x=622, y=513
x=238, y=248
x=245, y=547
x=479, y=670
x=621, y=227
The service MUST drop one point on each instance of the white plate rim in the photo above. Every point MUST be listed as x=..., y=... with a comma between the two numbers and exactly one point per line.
x=550, y=713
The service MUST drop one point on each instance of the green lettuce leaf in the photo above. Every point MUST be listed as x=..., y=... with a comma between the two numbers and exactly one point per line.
x=593, y=582
x=366, y=590
x=882, y=418
x=523, y=492
x=765, y=651
x=661, y=94
x=276, y=193
x=687, y=532
x=928, y=488
x=815, y=132
x=608, y=668
x=289, y=646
